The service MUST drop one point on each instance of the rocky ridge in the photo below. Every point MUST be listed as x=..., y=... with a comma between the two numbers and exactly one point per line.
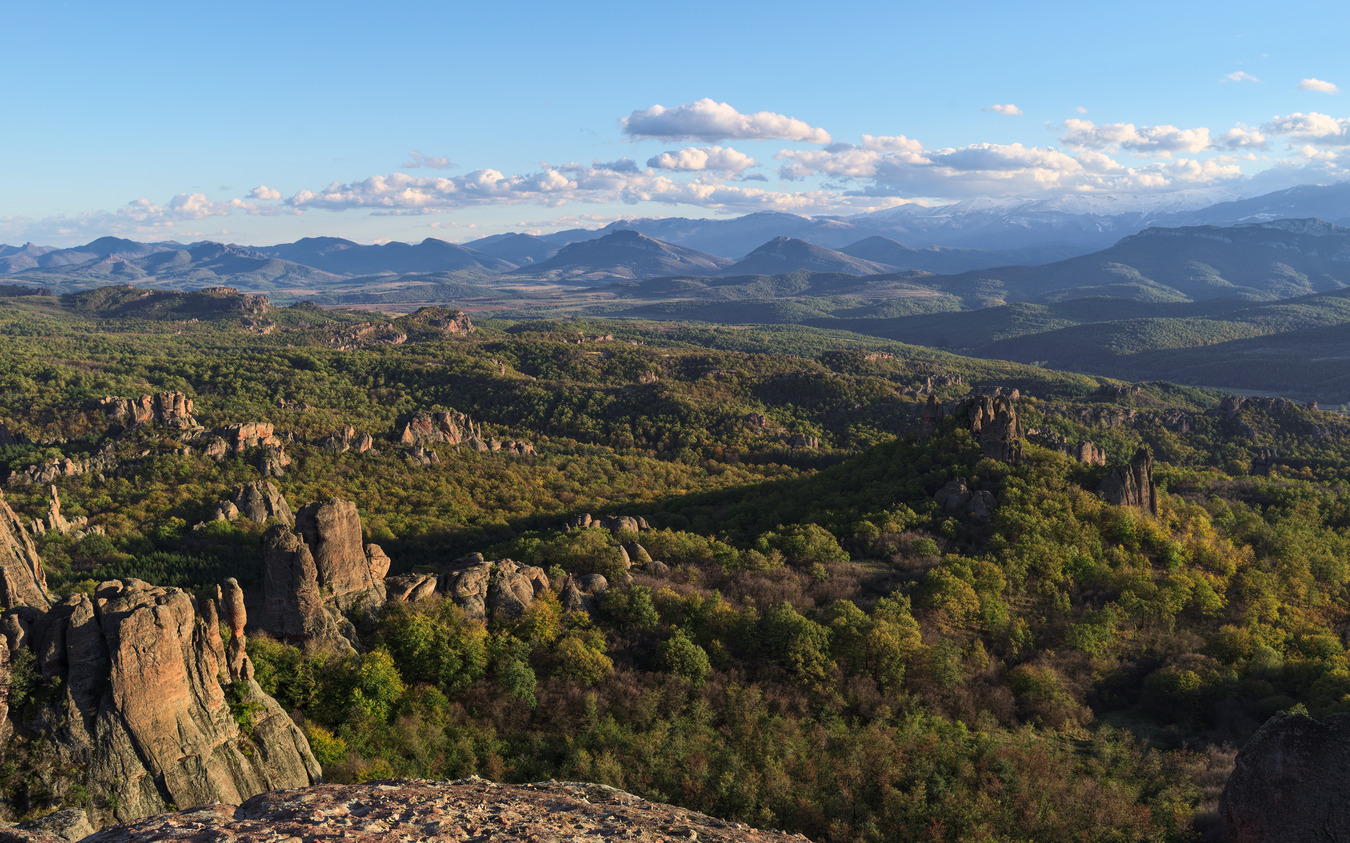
x=391, y=810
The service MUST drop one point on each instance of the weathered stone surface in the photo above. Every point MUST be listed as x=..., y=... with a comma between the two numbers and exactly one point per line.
x=399, y=810
x=637, y=554
x=143, y=714
x=957, y=498
x=1132, y=484
x=656, y=569
x=22, y=580
x=1289, y=782
x=1089, y=453
x=994, y=423
x=261, y=500
x=348, y=438
x=931, y=415
x=171, y=409
x=70, y=824
x=447, y=426
x=292, y=605
x=409, y=588
x=332, y=529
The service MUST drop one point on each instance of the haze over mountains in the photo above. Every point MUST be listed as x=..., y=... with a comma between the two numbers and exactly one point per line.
x=953, y=239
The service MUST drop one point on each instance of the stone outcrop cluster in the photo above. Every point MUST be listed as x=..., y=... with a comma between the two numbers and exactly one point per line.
x=169, y=409
x=348, y=438
x=482, y=588
x=1289, y=782
x=454, y=428
x=957, y=498
x=318, y=570
x=1132, y=484
x=55, y=522
x=141, y=719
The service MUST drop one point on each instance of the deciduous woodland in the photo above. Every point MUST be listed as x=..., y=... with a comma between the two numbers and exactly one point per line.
x=801, y=579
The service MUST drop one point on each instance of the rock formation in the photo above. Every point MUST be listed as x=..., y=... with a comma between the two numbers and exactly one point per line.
x=348, y=438
x=171, y=409
x=448, y=426
x=260, y=501
x=56, y=522
x=321, y=569
x=1132, y=484
x=454, y=429
x=1088, y=452
x=1289, y=782
x=351, y=574
x=931, y=415
x=956, y=498
x=22, y=580
x=142, y=718
x=469, y=809
x=1263, y=462
x=994, y=423
x=293, y=606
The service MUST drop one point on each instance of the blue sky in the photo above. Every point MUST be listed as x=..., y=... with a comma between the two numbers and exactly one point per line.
x=260, y=123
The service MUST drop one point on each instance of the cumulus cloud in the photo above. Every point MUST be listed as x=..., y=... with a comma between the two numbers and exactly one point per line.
x=1314, y=128
x=1240, y=76
x=623, y=165
x=1319, y=86
x=1008, y=109
x=1149, y=140
x=691, y=159
x=264, y=192
x=417, y=160
x=712, y=121
x=1240, y=137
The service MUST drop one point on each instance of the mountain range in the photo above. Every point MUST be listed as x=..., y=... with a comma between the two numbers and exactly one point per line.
x=966, y=237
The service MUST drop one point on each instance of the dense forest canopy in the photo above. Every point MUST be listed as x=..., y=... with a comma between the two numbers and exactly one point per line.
x=864, y=627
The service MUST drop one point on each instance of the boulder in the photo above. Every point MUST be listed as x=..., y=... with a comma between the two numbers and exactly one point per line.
x=1089, y=453
x=141, y=717
x=1289, y=782
x=637, y=554
x=931, y=415
x=260, y=500
x=1132, y=484
x=22, y=579
x=409, y=588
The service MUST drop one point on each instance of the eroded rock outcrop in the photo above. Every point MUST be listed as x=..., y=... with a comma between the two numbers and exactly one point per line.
x=260, y=501
x=453, y=428
x=319, y=570
x=348, y=438
x=142, y=714
x=22, y=580
x=1132, y=484
x=484, y=589
x=1289, y=782
x=956, y=498
x=994, y=423
x=469, y=809
x=170, y=409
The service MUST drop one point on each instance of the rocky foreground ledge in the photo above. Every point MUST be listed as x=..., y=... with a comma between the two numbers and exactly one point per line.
x=406, y=810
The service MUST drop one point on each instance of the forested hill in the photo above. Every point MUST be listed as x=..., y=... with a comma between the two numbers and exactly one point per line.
x=795, y=578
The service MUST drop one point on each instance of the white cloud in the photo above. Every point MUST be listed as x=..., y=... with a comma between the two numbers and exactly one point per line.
x=417, y=160
x=691, y=159
x=1240, y=137
x=1008, y=109
x=1319, y=86
x=1312, y=128
x=1082, y=109
x=1155, y=140
x=262, y=191
x=708, y=120
x=1240, y=76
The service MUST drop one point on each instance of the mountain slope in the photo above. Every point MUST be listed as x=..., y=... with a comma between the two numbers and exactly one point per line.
x=623, y=255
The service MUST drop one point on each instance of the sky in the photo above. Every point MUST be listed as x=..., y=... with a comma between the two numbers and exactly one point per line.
x=260, y=123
